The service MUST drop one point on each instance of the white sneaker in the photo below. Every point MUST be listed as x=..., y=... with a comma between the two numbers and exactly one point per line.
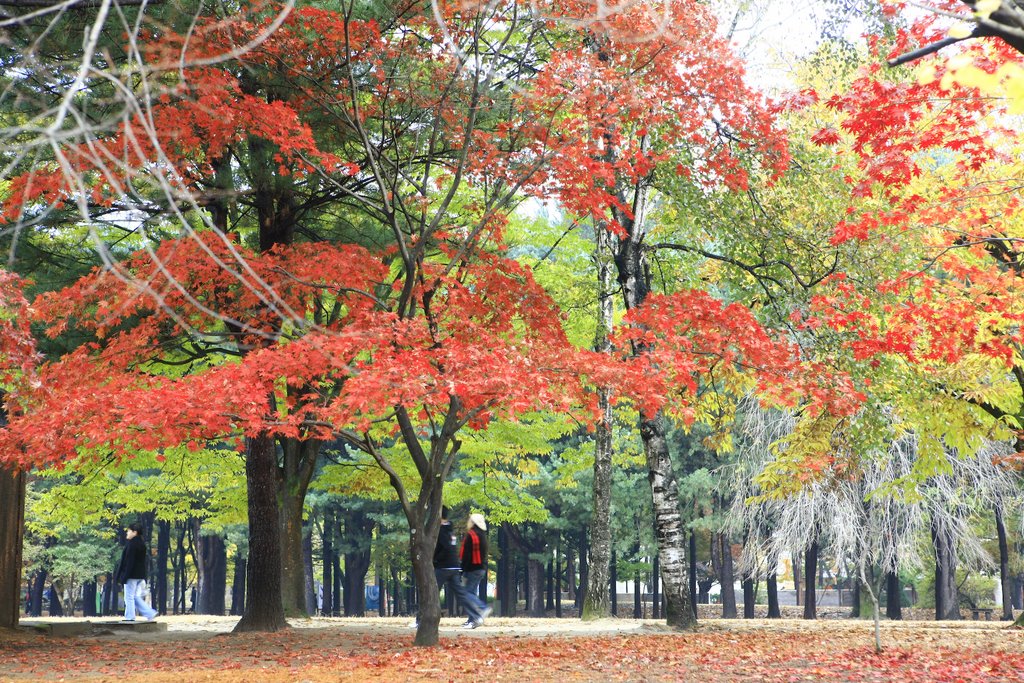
x=483, y=615
x=470, y=624
x=414, y=624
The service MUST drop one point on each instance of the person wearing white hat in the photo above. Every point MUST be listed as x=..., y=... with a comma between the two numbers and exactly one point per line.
x=473, y=555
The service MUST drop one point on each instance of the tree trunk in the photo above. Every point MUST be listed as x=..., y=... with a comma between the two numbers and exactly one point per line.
x=726, y=576
x=12, y=530
x=37, y=583
x=796, y=579
x=550, y=605
x=655, y=591
x=855, y=611
x=581, y=594
x=429, y=615
x=335, y=606
x=357, y=565
x=200, y=562
x=558, y=583
x=180, y=584
x=634, y=277
x=238, y=587
x=773, y=595
x=214, y=558
x=535, y=595
x=704, y=591
x=89, y=599
x=263, y=607
x=693, y=572
x=612, y=587
x=671, y=532
x=1005, y=580
x=163, y=551
x=327, y=603
x=947, y=599
x=298, y=464
x=596, y=605
x=810, y=585
x=109, y=595
x=358, y=536
x=748, y=598
x=570, y=574
x=307, y=567
x=893, y=608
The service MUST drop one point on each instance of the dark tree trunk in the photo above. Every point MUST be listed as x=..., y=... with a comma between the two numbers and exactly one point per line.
x=855, y=612
x=947, y=599
x=163, y=551
x=726, y=576
x=581, y=595
x=796, y=579
x=570, y=574
x=535, y=594
x=327, y=604
x=297, y=467
x=810, y=587
x=1004, y=564
x=429, y=611
x=358, y=535
x=109, y=595
x=550, y=584
x=693, y=571
x=397, y=607
x=56, y=608
x=339, y=578
x=307, y=566
x=612, y=587
x=357, y=565
x=748, y=598
x=238, y=587
x=212, y=561
x=893, y=608
x=263, y=608
x=180, y=583
x=704, y=591
x=638, y=589
x=36, y=589
x=89, y=599
x=504, y=575
x=558, y=586
x=655, y=592
x=12, y=530
x=773, y=595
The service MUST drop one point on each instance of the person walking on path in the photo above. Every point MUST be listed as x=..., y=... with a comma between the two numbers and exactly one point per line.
x=132, y=573
x=473, y=558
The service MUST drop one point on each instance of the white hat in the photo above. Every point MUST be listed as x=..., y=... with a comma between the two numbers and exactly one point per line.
x=478, y=521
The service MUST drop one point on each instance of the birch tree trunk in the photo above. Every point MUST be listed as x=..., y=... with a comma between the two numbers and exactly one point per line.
x=596, y=604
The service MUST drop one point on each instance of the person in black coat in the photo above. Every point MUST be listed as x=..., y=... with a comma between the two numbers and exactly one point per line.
x=132, y=573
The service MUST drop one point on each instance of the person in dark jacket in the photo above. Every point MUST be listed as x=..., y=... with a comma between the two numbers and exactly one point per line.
x=132, y=573
x=473, y=558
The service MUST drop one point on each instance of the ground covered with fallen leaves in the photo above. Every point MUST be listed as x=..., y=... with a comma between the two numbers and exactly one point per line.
x=517, y=650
